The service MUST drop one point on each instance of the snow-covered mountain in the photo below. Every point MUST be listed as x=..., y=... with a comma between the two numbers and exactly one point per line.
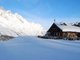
x=16, y=24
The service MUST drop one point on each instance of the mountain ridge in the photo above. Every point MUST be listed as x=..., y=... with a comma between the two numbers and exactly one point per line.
x=17, y=24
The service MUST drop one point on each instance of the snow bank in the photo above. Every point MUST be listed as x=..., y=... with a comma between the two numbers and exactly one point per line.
x=32, y=48
x=18, y=24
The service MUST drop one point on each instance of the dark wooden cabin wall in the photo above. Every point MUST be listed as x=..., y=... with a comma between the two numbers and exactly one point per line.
x=54, y=29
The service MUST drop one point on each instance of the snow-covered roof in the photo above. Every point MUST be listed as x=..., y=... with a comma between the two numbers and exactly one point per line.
x=69, y=28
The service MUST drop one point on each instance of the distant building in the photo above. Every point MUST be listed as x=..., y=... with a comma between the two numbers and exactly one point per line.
x=63, y=31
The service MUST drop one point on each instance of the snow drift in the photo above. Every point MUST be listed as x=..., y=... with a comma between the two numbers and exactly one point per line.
x=17, y=24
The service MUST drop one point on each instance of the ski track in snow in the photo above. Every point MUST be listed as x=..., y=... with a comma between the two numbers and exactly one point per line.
x=33, y=48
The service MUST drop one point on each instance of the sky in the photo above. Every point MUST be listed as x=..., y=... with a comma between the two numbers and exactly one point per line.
x=45, y=11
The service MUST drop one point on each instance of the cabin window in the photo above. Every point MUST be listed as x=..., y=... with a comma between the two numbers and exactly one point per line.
x=78, y=34
x=55, y=34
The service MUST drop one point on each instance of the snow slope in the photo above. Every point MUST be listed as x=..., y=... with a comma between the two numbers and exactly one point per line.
x=18, y=24
x=5, y=31
x=33, y=48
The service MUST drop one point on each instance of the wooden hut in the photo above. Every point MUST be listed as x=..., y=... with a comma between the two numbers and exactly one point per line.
x=63, y=31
